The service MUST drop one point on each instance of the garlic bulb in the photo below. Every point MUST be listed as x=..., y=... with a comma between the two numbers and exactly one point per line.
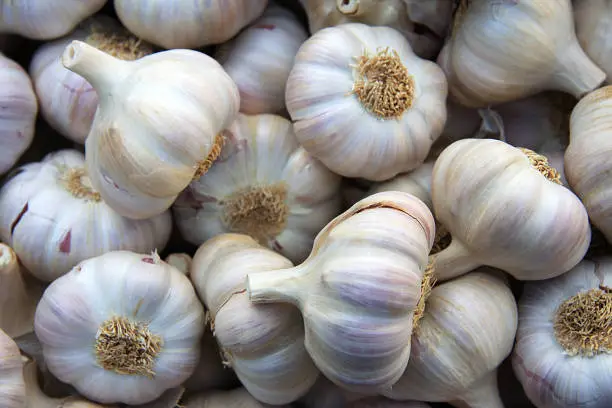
x=157, y=125
x=363, y=103
x=18, y=113
x=237, y=398
x=192, y=24
x=527, y=46
x=562, y=353
x=53, y=218
x=588, y=156
x=264, y=185
x=182, y=262
x=360, y=290
x=264, y=344
x=45, y=20
x=592, y=19
x=417, y=183
x=505, y=207
x=260, y=58
x=111, y=306
x=467, y=330
x=67, y=101
x=12, y=386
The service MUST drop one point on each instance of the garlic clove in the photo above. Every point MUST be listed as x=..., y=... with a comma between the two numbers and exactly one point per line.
x=12, y=385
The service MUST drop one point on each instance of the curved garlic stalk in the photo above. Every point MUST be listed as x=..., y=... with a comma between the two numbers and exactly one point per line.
x=562, y=354
x=238, y=398
x=592, y=19
x=182, y=262
x=417, y=183
x=12, y=386
x=467, y=330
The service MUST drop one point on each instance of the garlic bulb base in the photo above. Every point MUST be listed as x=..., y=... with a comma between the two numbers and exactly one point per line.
x=204, y=165
x=541, y=164
x=578, y=75
x=77, y=183
x=482, y=394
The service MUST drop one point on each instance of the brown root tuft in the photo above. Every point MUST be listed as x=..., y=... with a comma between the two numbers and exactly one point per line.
x=120, y=45
x=204, y=165
x=77, y=182
x=427, y=284
x=541, y=164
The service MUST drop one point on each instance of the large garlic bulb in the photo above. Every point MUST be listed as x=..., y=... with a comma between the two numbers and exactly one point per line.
x=505, y=207
x=186, y=23
x=264, y=344
x=17, y=114
x=562, y=353
x=53, y=218
x=593, y=29
x=363, y=103
x=67, y=101
x=467, y=330
x=157, y=126
x=506, y=50
x=12, y=386
x=129, y=327
x=264, y=185
x=360, y=290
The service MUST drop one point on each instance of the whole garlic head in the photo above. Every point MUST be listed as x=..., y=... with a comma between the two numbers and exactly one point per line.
x=363, y=103
x=129, y=327
x=12, y=386
x=53, y=218
x=263, y=184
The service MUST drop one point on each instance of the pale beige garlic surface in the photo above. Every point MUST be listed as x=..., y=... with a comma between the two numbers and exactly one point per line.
x=129, y=328
x=263, y=184
x=193, y=24
x=363, y=103
x=417, y=183
x=562, y=354
x=467, y=330
x=594, y=31
x=157, y=125
x=260, y=58
x=528, y=46
x=12, y=385
x=505, y=207
x=180, y=261
x=588, y=158
x=360, y=291
x=53, y=218
x=237, y=398
x=67, y=101
x=18, y=114
x=264, y=344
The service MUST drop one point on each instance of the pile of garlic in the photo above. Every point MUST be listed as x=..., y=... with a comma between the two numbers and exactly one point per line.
x=305, y=203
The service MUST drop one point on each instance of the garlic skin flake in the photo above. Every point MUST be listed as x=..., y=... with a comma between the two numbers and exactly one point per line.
x=12, y=385
x=263, y=184
x=53, y=218
x=558, y=365
x=110, y=305
x=344, y=117
x=592, y=19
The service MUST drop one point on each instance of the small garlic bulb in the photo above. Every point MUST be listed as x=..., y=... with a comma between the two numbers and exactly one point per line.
x=363, y=103
x=67, y=101
x=237, y=398
x=186, y=23
x=129, y=327
x=12, y=386
x=562, y=353
x=45, y=19
x=260, y=58
x=18, y=113
x=593, y=29
x=157, y=125
x=527, y=46
x=53, y=218
x=263, y=184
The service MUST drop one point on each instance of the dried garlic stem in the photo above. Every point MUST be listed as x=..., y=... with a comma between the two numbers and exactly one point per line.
x=541, y=164
x=347, y=7
x=123, y=46
x=76, y=181
x=204, y=165
x=427, y=284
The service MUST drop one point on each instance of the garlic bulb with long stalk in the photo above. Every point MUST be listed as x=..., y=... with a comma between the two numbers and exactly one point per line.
x=363, y=103
x=12, y=386
x=67, y=101
x=505, y=50
x=467, y=330
x=53, y=218
x=260, y=58
x=360, y=291
x=592, y=19
x=505, y=207
x=192, y=24
x=562, y=353
x=237, y=398
x=129, y=327
x=46, y=19
x=157, y=125
x=19, y=108
x=263, y=184
x=264, y=344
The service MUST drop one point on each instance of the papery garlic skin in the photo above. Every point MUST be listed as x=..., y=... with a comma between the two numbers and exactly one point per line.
x=550, y=377
x=18, y=113
x=263, y=184
x=12, y=386
x=141, y=291
x=193, y=24
x=365, y=136
x=592, y=19
x=54, y=219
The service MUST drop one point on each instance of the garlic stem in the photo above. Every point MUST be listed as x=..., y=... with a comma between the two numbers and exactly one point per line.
x=347, y=7
x=482, y=394
x=455, y=260
x=578, y=75
x=281, y=285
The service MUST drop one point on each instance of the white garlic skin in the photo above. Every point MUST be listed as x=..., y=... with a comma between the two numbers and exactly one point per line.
x=417, y=183
x=120, y=283
x=550, y=378
x=18, y=114
x=592, y=19
x=12, y=385
x=51, y=230
x=193, y=24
